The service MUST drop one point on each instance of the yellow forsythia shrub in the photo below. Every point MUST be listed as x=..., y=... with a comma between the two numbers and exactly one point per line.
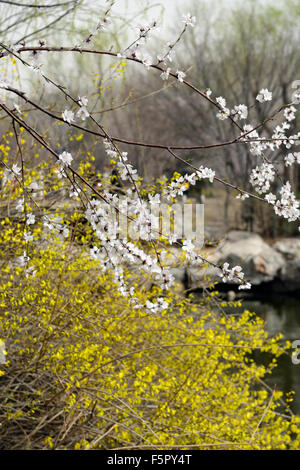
x=86, y=370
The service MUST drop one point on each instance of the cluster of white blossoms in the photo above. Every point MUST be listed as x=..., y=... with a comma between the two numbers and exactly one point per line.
x=30, y=219
x=16, y=170
x=158, y=306
x=135, y=50
x=189, y=248
x=279, y=138
x=114, y=252
x=224, y=112
x=102, y=25
x=55, y=224
x=262, y=176
x=65, y=159
x=256, y=144
x=127, y=172
x=240, y=111
x=234, y=275
x=289, y=113
x=23, y=261
x=69, y=116
x=264, y=95
x=287, y=206
x=189, y=20
x=20, y=205
x=82, y=112
x=204, y=172
x=291, y=158
x=180, y=75
x=113, y=249
x=10, y=174
x=179, y=186
x=165, y=74
x=182, y=183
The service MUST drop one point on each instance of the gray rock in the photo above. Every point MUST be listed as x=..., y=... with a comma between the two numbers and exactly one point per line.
x=259, y=261
x=290, y=276
x=178, y=273
x=238, y=235
x=288, y=247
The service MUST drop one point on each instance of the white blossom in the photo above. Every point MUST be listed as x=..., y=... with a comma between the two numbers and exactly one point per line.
x=188, y=246
x=20, y=205
x=287, y=206
x=28, y=237
x=16, y=169
x=23, y=259
x=74, y=192
x=154, y=199
x=234, y=275
x=289, y=113
x=262, y=176
x=264, y=95
x=208, y=92
x=206, y=173
x=291, y=158
x=270, y=198
x=82, y=100
x=30, y=220
x=82, y=113
x=240, y=112
x=224, y=112
x=221, y=101
x=17, y=108
x=65, y=159
x=158, y=306
x=147, y=61
x=165, y=75
x=242, y=196
x=189, y=20
x=68, y=116
x=180, y=75
x=296, y=97
x=30, y=272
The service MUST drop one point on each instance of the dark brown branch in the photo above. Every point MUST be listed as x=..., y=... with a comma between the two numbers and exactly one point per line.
x=236, y=140
x=157, y=67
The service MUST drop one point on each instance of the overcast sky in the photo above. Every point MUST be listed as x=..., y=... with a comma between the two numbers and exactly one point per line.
x=169, y=7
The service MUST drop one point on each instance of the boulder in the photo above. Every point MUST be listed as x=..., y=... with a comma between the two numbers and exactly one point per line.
x=279, y=264
x=260, y=262
x=288, y=247
x=290, y=276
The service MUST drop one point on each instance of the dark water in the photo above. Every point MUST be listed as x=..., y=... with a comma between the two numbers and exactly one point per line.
x=281, y=315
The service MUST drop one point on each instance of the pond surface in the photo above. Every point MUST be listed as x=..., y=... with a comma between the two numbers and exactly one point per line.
x=281, y=315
